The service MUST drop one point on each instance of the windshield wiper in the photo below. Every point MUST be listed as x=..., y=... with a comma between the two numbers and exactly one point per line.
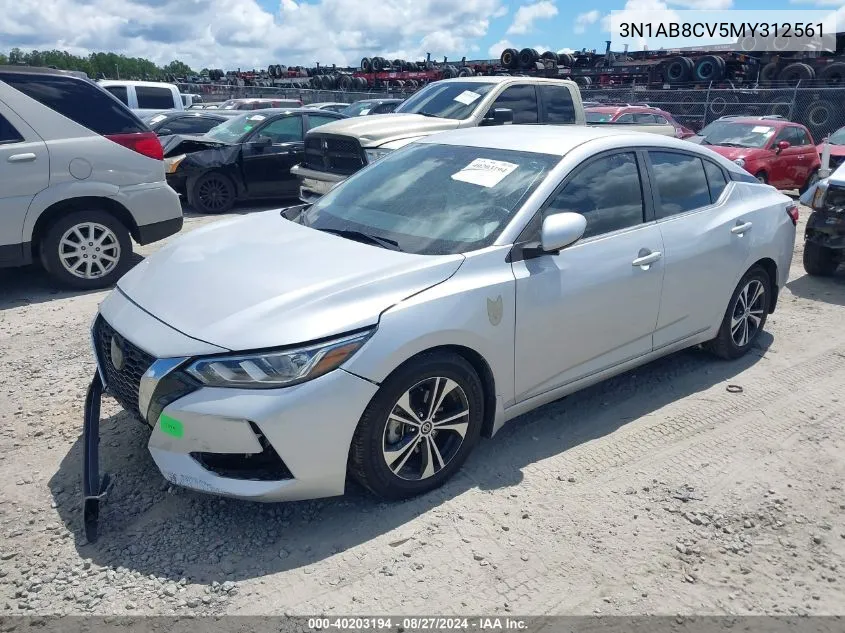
x=429, y=114
x=732, y=145
x=384, y=242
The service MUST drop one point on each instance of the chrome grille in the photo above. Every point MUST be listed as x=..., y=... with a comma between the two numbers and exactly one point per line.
x=333, y=154
x=121, y=383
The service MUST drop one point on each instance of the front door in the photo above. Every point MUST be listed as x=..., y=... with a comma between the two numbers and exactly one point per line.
x=595, y=304
x=267, y=166
x=24, y=171
x=791, y=166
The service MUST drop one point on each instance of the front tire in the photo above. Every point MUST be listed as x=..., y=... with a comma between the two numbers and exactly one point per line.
x=745, y=317
x=762, y=178
x=86, y=250
x=212, y=192
x=819, y=261
x=813, y=179
x=419, y=428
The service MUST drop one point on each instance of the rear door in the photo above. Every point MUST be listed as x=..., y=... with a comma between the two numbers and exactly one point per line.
x=706, y=241
x=267, y=167
x=557, y=107
x=24, y=171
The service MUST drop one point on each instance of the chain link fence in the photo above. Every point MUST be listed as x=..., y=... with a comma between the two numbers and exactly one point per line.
x=820, y=108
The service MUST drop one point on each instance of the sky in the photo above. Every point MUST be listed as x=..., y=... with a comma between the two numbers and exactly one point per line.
x=231, y=34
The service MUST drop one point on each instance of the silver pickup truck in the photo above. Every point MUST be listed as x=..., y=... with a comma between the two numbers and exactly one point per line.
x=337, y=150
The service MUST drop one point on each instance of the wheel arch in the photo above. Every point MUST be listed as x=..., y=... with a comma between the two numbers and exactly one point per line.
x=65, y=207
x=229, y=171
x=771, y=268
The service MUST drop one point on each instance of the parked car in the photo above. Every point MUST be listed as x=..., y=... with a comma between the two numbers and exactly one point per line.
x=329, y=105
x=194, y=122
x=248, y=156
x=81, y=177
x=641, y=114
x=427, y=300
x=371, y=106
x=259, y=104
x=775, y=151
x=145, y=96
x=824, y=235
x=837, y=148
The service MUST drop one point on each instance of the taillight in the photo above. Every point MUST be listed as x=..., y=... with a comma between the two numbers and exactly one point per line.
x=792, y=211
x=145, y=143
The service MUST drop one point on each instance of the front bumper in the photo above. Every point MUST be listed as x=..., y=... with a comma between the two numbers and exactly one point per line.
x=315, y=184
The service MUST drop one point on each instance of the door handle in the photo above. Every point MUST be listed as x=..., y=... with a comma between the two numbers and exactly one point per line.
x=739, y=229
x=647, y=258
x=21, y=158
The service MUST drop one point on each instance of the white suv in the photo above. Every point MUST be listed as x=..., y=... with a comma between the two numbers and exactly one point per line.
x=80, y=174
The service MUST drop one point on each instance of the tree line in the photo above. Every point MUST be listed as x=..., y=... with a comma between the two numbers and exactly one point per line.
x=99, y=65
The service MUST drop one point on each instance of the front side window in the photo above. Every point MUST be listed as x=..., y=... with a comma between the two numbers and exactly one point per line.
x=154, y=98
x=522, y=100
x=8, y=133
x=433, y=199
x=445, y=99
x=607, y=192
x=558, y=103
x=680, y=182
x=287, y=129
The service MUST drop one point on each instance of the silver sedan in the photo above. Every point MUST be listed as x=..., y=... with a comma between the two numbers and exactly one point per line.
x=440, y=292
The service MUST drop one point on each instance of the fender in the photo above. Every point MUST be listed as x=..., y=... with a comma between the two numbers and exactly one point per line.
x=62, y=192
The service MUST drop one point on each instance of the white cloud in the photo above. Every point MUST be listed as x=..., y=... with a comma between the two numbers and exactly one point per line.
x=240, y=33
x=565, y=50
x=497, y=48
x=583, y=20
x=525, y=16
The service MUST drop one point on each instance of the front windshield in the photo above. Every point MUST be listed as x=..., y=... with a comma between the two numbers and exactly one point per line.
x=235, y=129
x=731, y=134
x=838, y=137
x=598, y=117
x=359, y=108
x=433, y=199
x=446, y=99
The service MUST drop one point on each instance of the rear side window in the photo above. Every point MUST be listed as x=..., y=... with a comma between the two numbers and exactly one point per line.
x=8, y=133
x=681, y=183
x=558, y=103
x=154, y=98
x=626, y=118
x=644, y=118
x=660, y=120
x=715, y=179
x=316, y=120
x=119, y=92
x=79, y=100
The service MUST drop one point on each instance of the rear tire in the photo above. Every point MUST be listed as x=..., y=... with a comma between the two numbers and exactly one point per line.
x=212, y=192
x=745, y=316
x=86, y=250
x=395, y=460
x=819, y=261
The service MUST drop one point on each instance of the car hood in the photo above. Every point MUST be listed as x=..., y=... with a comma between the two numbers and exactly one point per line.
x=377, y=129
x=732, y=153
x=176, y=144
x=835, y=150
x=263, y=281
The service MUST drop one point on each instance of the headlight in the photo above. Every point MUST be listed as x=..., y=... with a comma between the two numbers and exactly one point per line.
x=818, y=197
x=374, y=154
x=740, y=162
x=172, y=163
x=277, y=369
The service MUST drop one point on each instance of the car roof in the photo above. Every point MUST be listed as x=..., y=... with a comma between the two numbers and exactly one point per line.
x=122, y=82
x=41, y=70
x=498, y=79
x=274, y=111
x=327, y=103
x=542, y=139
x=375, y=101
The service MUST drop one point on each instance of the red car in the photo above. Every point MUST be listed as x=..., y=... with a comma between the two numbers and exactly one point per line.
x=837, y=148
x=635, y=114
x=774, y=151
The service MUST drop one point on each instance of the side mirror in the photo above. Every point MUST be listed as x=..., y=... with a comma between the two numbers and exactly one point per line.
x=782, y=145
x=262, y=141
x=498, y=116
x=560, y=230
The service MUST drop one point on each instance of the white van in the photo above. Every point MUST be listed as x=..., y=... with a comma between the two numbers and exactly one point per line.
x=145, y=96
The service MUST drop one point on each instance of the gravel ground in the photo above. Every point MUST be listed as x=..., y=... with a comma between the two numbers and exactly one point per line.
x=657, y=492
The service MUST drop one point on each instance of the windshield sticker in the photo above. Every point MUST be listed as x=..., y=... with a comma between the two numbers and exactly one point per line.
x=247, y=128
x=467, y=97
x=257, y=117
x=157, y=118
x=365, y=112
x=485, y=172
x=761, y=129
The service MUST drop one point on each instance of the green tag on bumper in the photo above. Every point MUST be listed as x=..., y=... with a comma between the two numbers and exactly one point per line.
x=171, y=426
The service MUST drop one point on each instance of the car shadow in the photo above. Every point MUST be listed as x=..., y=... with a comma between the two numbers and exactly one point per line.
x=152, y=528
x=29, y=285
x=826, y=289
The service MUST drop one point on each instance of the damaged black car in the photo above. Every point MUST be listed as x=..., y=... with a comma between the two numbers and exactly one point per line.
x=824, y=236
x=247, y=157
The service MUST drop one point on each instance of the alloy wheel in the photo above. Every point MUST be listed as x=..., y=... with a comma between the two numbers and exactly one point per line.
x=426, y=428
x=89, y=250
x=748, y=311
x=214, y=194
